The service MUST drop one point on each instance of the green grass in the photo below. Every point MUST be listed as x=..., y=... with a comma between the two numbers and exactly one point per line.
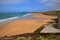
x=39, y=29
x=33, y=37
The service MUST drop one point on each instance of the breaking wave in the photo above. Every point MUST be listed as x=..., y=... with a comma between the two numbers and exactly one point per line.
x=15, y=17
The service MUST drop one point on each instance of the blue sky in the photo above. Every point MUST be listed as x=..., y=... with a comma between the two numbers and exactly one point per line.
x=29, y=5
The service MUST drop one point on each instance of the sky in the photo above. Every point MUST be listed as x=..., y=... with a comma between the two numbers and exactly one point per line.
x=29, y=5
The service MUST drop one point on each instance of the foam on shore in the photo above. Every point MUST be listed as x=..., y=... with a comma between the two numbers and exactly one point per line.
x=2, y=21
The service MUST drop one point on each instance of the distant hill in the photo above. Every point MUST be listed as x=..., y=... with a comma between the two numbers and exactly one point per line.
x=52, y=13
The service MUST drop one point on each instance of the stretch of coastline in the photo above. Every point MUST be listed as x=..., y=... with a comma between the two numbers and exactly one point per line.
x=21, y=26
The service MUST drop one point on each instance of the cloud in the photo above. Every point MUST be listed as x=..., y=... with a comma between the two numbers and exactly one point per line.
x=52, y=3
x=12, y=1
x=49, y=0
x=43, y=0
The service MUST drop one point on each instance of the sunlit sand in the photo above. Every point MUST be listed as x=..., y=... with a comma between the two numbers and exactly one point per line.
x=17, y=27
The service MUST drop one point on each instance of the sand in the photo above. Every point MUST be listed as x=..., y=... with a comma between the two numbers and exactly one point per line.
x=18, y=27
x=35, y=15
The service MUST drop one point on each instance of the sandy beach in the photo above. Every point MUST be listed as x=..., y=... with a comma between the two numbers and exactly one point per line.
x=35, y=15
x=17, y=27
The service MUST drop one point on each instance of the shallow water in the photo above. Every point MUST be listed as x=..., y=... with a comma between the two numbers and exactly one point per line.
x=10, y=15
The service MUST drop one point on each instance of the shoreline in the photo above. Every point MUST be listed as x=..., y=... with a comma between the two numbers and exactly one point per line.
x=33, y=16
x=18, y=26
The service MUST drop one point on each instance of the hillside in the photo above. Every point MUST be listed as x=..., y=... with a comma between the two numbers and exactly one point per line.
x=53, y=13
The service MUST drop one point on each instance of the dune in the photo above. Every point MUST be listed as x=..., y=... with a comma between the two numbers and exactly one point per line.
x=17, y=27
x=40, y=15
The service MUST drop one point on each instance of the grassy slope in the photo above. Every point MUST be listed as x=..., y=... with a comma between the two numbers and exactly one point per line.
x=52, y=13
x=33, y=37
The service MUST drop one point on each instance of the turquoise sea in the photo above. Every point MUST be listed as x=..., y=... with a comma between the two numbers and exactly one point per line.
x=9, y=15
x=12, y=16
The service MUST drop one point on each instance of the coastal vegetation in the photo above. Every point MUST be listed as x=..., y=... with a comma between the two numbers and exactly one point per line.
x=52, y=13
x=33, y=36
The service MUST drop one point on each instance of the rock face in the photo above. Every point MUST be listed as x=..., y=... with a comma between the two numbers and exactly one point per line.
x=50, y=29
x=17, y=27
x=58, y=26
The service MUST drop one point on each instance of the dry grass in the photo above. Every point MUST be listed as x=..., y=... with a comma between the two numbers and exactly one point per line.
x=33, y=37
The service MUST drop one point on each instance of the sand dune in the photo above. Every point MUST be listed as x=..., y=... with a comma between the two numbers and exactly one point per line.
x=43, y=16
x=24, y=26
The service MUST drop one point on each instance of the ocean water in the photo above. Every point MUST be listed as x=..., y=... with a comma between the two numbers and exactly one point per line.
x=11, y=16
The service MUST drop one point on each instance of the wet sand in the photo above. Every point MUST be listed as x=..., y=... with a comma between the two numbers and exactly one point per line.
x=24, y=26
